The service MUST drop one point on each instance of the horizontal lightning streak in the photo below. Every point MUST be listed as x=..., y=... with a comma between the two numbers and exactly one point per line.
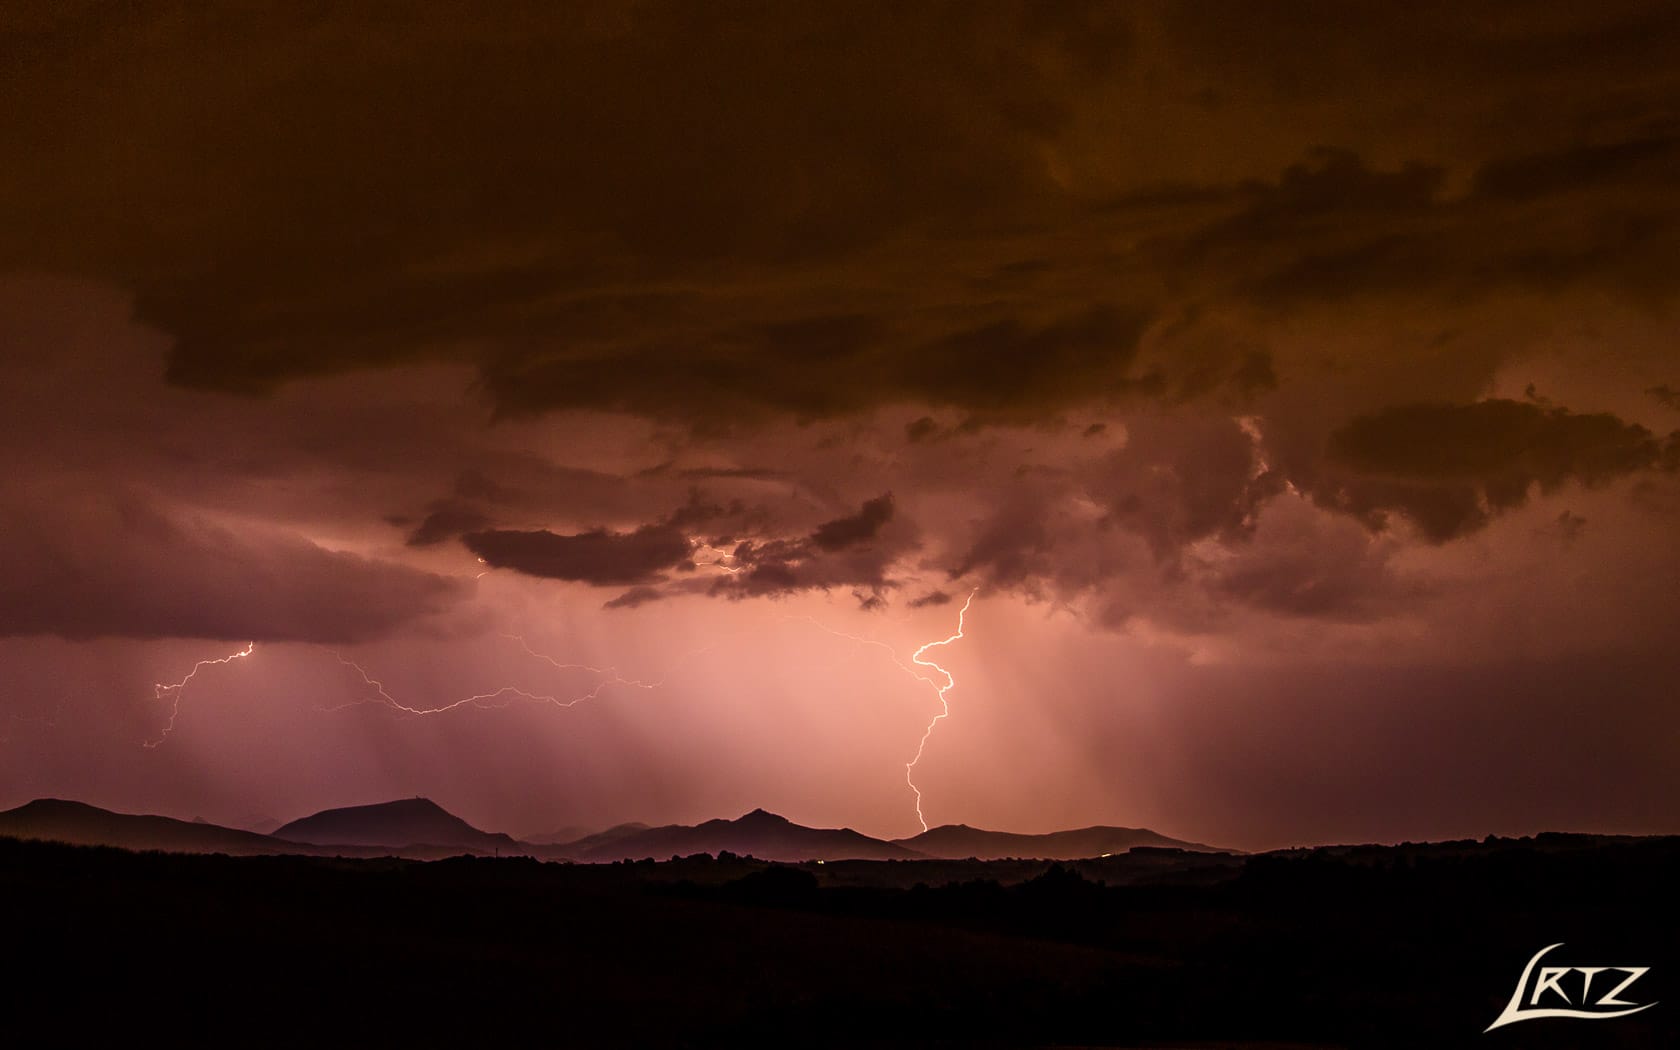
x=507, y=694
x=718, y=562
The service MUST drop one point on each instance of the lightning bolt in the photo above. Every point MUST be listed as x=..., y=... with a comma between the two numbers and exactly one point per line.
x=917, y=661
x=173, y=690
x=507, y=694
x=861, y=640
x=944, y=704
x=718, y=562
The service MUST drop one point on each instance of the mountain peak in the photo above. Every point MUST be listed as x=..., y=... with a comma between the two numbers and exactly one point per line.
x=401, y=822
x=759, y=833
x=57, y=805
x=417, y=805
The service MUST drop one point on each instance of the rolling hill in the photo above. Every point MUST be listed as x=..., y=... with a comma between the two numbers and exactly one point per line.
x=761, y=834
x=396, y=825
x=959, y=841
x=80, y=824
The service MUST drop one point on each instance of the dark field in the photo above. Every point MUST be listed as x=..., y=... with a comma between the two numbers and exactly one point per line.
x=1374, y=946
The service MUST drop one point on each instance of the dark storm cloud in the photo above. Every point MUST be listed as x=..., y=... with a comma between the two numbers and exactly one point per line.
x=597, y=557
x=1180, y=480
x=445, y=522
x=1449, y=467
x=642, y=555
x=1335, y=227
x=1011, y=368
x=124, y=569
x=856, y=551
x=858, y=528
x=1648, y=162
x=1255, y=373
x=1014, y=546
x=634, y=598
x=825, y=213
x=1561, y=58
x=519, y=487
x=1009, y=363
x=1308, y=569
x=746, y=473
x=584, y=204
x=920, y=429
x=1569, y=526
x=304, y=191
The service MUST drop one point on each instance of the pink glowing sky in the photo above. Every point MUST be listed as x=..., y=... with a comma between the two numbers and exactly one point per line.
x=1302, y=417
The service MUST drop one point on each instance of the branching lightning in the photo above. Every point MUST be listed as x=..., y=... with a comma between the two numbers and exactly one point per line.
x=173, y=690
x=608, y=677
x=507, y=694
x=942, y=681
x=910, y=669
x=861, y=640
x=722, y=557
x=944, y=704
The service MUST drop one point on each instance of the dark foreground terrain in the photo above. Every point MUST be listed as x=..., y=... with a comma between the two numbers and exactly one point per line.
x=1368, y=946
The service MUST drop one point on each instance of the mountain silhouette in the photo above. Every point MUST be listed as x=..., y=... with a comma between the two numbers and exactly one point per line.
x=403, y=823
x=80, y=824
x=600, y=838
x=420, y=829
x=761, y=834
x=959, y=841
x=570, y=833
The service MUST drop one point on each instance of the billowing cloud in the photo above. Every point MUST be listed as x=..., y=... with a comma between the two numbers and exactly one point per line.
x=119, y=567
x=634, y=598
x=444, y=521
x=858, y=528
x=994, y=215
x=856, y=551
x=597, y=557
x=1449, y=467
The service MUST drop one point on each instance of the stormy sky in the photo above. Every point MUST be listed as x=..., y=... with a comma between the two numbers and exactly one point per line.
x=588, y=410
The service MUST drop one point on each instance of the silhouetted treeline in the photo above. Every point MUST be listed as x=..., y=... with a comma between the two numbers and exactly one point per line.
x=1368, y=946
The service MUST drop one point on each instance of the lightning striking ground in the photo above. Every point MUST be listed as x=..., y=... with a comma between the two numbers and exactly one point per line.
x=917, y=661
x=173, y=690
x=944, y=704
